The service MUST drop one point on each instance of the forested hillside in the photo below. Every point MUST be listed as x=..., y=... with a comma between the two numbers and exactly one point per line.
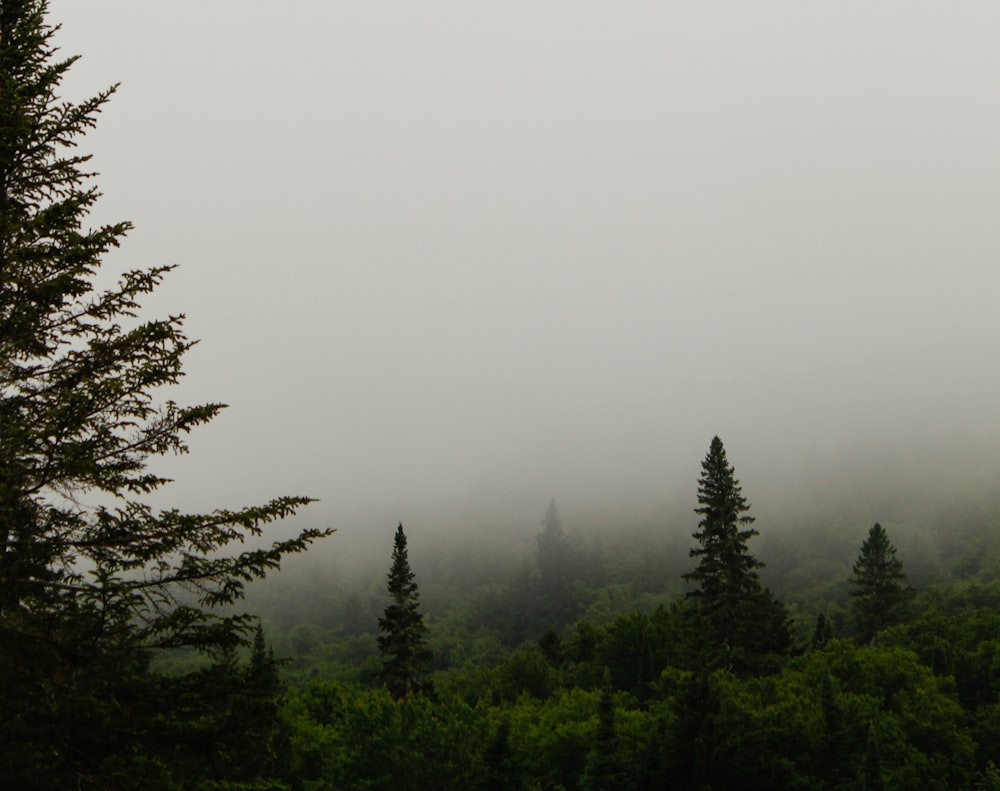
x=845, y=637
x=646, y=661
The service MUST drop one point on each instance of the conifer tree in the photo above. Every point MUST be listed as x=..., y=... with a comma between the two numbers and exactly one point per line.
x=604, y=771
x=552, y=551
x=402, y=643
x=872, y=779
x=822, y=633
x=880, y=589
x=90, y=592
x=258, y=719
x=553, y=601
x=742, y=626
x=501, y=769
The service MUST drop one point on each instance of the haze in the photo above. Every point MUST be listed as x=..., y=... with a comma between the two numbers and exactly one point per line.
x=448, y=260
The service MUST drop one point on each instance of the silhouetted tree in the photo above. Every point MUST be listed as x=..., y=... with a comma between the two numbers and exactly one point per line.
x=402, y=643
x=880, y=589
x=743, y=626
x=94, y=581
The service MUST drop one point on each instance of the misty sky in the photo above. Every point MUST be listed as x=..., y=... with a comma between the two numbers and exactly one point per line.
x=442, y=252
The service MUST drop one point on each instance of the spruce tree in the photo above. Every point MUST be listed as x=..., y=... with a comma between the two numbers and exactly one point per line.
x=502, y=770
x=604, y=771
x=741, y=625
x=880, y=589
x=554, y=554
x=402, y=643
x=93, y=581
x=872, y=779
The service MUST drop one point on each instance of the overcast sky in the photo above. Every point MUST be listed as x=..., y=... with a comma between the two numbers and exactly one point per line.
x=442, y=253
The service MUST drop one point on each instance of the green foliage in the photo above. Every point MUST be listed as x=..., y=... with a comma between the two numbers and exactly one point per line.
x=920, y=726
x=605, y=771
x=402, y=643
x=347, y=738
x=94, y=582
x=501, y=768
x=526, y=672
x=742, y=625
x=880, y=590
x=555, y=735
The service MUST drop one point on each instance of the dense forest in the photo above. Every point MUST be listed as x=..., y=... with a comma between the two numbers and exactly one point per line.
x=638, y=661
x=690, y=652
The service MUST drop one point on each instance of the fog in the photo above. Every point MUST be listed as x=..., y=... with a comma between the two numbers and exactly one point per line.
x=448, y=260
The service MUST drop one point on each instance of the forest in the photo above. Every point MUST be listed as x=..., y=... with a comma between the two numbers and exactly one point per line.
x=145, y=648
x=643, y=664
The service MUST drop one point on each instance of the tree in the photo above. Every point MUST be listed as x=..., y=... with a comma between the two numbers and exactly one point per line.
x=872, y=779
x=502, y=770
x=402, y=643
x=552, y=552
x=553, y=602
x=743, y=627
x=93, y=581
x=880, y=589
x=604, y=771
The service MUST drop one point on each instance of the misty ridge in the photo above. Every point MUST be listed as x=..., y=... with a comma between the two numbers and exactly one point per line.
x=940, y=503
x=520, y=617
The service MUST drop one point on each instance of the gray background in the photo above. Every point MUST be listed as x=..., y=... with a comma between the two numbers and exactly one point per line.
x=450, y=259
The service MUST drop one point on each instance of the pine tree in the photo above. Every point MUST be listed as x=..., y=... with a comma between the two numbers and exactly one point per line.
x=553, y=600
x=822, y=633
x=402, y=643
x=872, y=779
x=501, y=769
x=89, y=593
x=742, y=625
x=257, y=721
x=604, y=770
x=552, y=552
x=880, y=585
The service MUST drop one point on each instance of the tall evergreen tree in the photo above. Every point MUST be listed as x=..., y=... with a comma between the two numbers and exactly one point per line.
x=872, y=779
x=552, y=552
x=604, y=771
x=742, y=625
x=405, y=655
x=502, y=770
x=553, y=602
x=89, y=593
x=880, y=589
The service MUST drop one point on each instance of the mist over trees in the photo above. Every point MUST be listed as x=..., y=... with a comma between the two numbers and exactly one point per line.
x=615, y=658
x=654, y=693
